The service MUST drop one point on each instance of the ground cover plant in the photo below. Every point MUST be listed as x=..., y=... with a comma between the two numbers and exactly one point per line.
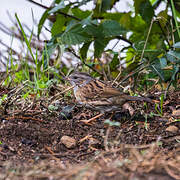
x=42, y=129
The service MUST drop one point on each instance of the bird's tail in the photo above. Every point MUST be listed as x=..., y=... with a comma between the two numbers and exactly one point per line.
x=134, y=98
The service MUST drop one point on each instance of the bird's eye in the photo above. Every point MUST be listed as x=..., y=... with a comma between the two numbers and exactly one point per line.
x=75, y=77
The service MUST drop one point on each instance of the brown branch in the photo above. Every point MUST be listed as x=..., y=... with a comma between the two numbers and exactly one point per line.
x=64, y=14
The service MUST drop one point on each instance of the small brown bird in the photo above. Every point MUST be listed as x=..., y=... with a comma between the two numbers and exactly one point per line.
x=98, y=95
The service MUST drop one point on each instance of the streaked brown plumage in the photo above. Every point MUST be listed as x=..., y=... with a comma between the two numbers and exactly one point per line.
x=99, y=95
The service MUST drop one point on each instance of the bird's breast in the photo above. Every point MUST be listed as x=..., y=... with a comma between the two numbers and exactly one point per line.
x=78, y=95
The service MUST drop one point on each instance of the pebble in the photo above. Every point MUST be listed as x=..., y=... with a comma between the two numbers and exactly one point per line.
x=69, y=142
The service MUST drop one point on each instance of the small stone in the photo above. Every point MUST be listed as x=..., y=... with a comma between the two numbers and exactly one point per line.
x=172, y=129
x=69, y=142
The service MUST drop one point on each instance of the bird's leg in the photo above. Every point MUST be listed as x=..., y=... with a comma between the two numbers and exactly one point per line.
x=112, y=114
x=92, y=119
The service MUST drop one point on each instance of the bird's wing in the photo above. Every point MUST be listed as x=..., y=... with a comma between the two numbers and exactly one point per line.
x=98, y=89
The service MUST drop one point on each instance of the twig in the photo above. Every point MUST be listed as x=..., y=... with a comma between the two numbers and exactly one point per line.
x=152, y=21
x=138, y=70
x=24, y=118
x=82, y=60
x=45, y=7
x=51, y=152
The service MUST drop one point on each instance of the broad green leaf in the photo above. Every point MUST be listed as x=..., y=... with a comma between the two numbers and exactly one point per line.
x=106, y=5
x=115, y=61
x=112, y=16
x=89, y=21
x=99, y=45
x=71, y=24
x=94, y=30
x=58, y=25
x=84, y=50
x=75, y=35
x=146, y=11
x=138, y=25
x=126, y=20
x=61, y=5
x=137, y=5
x=80, y=13
x=42, y=20
x=112, y=28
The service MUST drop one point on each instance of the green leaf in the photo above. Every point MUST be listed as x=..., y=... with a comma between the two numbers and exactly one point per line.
x=48, y=50
x=61, y=5
x=41, y=21
x=126, y=20
x=115, y=61
x=99, y=45
x=138, y=25
x=137, y=4
x=58, y=25
x=173, y=56
x=146, y=11
x=80, y=13
x=75, y=35
x=112, y=28
x=106, y=5
x=94, y=30
x=89, y=21
x=112, y=16
x=25, y=37
x=84, y=50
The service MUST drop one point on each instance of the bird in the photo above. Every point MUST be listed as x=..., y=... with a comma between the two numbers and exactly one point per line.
x=99, y=95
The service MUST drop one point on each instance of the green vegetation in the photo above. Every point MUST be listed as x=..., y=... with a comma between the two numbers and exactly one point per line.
x=151, y=50
x=153, y=39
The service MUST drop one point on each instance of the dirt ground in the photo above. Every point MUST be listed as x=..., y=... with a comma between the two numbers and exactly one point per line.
x=38, y=143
